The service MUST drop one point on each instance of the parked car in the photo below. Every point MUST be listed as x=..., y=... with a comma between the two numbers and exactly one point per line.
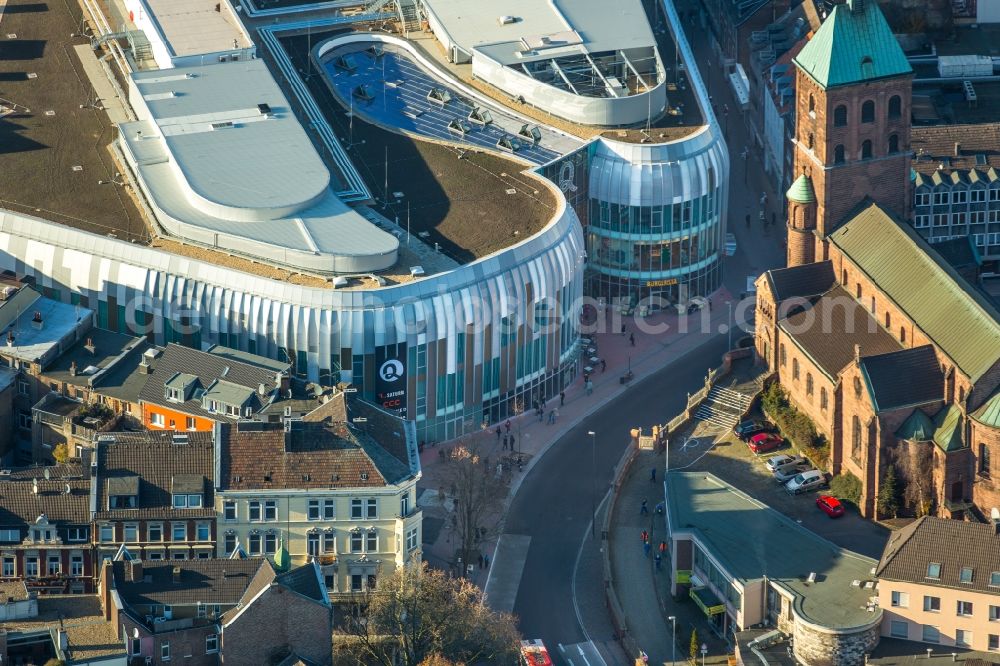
x=696, y=304
x=774, y=463
x=830, y=505
x=806, y=481
x=789, y=472
x=750, y=427
x=764, y=442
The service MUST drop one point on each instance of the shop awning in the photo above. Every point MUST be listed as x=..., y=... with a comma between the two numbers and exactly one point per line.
x=707, y=601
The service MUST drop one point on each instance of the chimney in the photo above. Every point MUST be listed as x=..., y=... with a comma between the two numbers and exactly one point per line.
x=958, y=149
x=34, y=486
x=72, y=369
x=86, y=456
x=177, y=574
x=36, y=320
x=89, y=346
x=857, y=353
x=135, y=571
x=954, y=656
x=261, y=389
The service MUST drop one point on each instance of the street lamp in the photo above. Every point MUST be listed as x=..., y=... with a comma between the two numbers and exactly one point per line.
x=704, y=651
x=593, y=483
x=673, y=639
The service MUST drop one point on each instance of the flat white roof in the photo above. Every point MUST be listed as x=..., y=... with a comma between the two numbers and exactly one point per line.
x=223, y=157
x=193, y=27
x=572, y=26
x=232, y=153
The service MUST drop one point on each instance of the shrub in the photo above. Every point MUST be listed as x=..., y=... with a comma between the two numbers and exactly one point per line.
x=695, y=646
x=794, y=425
x=61, y=453
x=846, y=487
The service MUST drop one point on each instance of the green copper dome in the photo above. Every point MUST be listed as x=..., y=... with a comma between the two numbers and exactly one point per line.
x=282, y=560
x=801, y=190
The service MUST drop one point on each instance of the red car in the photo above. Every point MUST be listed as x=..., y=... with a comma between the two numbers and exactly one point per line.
x=764, y=442
x=830, y=505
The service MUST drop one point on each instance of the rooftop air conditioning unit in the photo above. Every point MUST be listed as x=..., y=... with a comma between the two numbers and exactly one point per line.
x=416, y=271
x=506, y=20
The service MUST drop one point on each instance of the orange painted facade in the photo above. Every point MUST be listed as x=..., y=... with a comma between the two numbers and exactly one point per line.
x=158, y=417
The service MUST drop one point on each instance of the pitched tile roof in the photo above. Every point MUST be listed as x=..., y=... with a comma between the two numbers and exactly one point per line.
x=951, y=543
x=259, y=455
x=305, y=580
x=260, y=581
x=956, y=317
x=854, y=44
x=829, y=330
x=989, y=413
x=214, y=581
x=904, y=378
x=19, y=505
x=932, y=143
x=157, y=461
x=209, y=369
x=108, y=347
x=801, y=281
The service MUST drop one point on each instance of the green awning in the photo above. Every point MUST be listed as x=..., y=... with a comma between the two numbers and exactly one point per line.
x=707, y=601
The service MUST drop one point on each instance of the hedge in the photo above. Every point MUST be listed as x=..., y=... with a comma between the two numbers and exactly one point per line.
x=794, y=425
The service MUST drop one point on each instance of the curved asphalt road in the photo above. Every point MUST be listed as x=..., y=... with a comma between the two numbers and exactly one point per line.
x=553, y=504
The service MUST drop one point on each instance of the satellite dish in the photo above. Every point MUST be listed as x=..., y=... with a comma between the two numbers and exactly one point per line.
x=135, y=632
x=995, y=514
x=47, y=474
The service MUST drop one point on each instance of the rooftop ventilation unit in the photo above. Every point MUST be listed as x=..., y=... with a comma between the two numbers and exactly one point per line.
x=506, y=19
x=264, y=109
x=416, y=271
x=225, y=124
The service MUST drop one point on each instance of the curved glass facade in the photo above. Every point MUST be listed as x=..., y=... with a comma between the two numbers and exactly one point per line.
x=655, y=220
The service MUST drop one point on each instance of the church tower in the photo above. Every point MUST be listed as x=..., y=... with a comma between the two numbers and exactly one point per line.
x=852, y=126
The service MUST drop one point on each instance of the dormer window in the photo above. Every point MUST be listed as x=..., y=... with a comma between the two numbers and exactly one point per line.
x=187, y=491
x=123, y=492
x=175, y=395
x=934, y=571
x=187, y=501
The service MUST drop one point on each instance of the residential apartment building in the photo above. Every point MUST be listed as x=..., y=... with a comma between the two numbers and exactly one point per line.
x=201, y=612
x=45, y=529
x=939, y=583
x=956, y=190
x=321, y=490
x=154, y=495
x=188, y=389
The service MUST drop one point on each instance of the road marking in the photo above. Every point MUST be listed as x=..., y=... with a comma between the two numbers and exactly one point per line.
x=585, y=652
x=506, y=569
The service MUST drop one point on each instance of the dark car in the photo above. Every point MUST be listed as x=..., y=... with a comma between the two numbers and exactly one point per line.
x=747, y=429
x=764, y=442
x=830, y=505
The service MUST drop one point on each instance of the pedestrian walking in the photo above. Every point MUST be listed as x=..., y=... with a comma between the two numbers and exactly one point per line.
x=486, y=560
x=774, y=218
x=657, y=559
x=512, y=443
x=590, y=387
x=644, y=509
x=645, y=549
x=504, y=446
x=498, y=432
x=480, y=561
x=644, y=536
x=663, y=548
x=604, y=365
x=541, y=414
x=562, y=398
x=748, y=220
x=507, y=425
x=652, y=475
x=631, y=339
x=553, y=415
x=623, y=329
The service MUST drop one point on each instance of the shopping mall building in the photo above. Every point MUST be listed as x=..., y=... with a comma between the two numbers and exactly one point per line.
x=278, y=236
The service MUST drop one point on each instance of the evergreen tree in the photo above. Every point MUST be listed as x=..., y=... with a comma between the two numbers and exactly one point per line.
x=888, y=494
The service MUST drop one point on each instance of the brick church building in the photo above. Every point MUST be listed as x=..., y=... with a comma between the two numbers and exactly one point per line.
x=891, y=352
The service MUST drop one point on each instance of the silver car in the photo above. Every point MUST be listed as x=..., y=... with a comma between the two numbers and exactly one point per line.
x=789, y=472
x=775, y=463
x=803, y=482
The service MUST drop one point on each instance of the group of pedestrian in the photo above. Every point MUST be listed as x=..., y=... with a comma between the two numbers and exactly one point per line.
x=507, y=443
x=484, y=561
x=647, y=547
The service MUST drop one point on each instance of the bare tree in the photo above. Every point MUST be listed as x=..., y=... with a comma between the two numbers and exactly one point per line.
x=478, y=486
x=416, y=615
x=914, y=463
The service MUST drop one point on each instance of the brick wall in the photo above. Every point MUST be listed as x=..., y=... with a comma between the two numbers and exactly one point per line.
x=986, y=483
x=294, y=624
x=810, y=403
x=840, y=187
x=814, y=647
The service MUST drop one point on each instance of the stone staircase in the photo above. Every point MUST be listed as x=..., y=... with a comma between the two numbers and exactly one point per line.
x=723, y=407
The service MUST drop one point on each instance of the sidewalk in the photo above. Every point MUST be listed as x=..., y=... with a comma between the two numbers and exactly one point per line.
x=643, y=592
x=650, y=353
